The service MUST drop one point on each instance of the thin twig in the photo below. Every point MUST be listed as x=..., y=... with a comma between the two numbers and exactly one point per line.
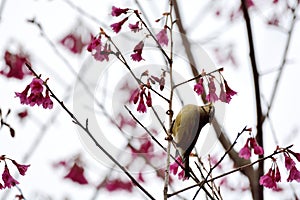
x=196, y=77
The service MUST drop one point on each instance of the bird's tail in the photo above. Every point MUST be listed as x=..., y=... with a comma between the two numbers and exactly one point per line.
x=187, y=167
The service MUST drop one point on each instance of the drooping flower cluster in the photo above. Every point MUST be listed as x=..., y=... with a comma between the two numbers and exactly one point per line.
x=226, y=92
x=138, y=95
x=36, y=96
x=174, y=169
x=99, y=51
x=143, y=94
x=8, y=180
x=271, y=178
x=161, y=37
x=251, y=143
x=15, y=65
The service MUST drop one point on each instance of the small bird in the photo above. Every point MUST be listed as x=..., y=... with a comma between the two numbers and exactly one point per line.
x=187, y=127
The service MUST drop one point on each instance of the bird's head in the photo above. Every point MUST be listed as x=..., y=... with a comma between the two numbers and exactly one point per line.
x=210, y=110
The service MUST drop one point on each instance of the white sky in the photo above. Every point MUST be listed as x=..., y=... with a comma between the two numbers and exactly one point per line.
x=61, y=140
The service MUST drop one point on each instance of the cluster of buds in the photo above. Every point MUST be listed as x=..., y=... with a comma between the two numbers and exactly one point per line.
x=138, y=95
x=8, y=180
x=36, y=97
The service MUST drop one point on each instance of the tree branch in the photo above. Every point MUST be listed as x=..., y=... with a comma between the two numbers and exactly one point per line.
x=256, y=189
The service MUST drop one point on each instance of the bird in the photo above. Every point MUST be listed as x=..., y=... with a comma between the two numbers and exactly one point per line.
x=186, y=129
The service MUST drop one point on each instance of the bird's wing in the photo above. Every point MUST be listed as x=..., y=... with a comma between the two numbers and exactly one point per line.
x=187, y=128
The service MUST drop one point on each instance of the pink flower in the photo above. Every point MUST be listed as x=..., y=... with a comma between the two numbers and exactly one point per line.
x=162, y=37
x=138, y=49
x=229, y=92
x=73, y=42
x=141, y=107
x=277, y=175
x=249, y=3
x=15, y=66
x=118, y=184
x=149, y=100
x=21, y=168
x=245, y=152
x=47, y=102
x=181, y=176
x=102, y=54
x=35, y=99
x=297, y=155
x=288, y=161
x=162, y=83
x=95, y=42
x=135, y=27
x=117, y=26
x=135, y=96
x=251, y=143
x=146, y=147
x=212, y=97
x=141, y=178
x=36, y=86
x=174, y=166
x=294, y=175
x=198, y=88
x=223, y=96
x=23, y=95
x=76, y=174
x=258, y=150
x=8, y=180
x=118, y=11
x=268, y=180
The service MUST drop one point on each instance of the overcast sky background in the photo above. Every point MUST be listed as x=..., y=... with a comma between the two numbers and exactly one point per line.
x=61, y=141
